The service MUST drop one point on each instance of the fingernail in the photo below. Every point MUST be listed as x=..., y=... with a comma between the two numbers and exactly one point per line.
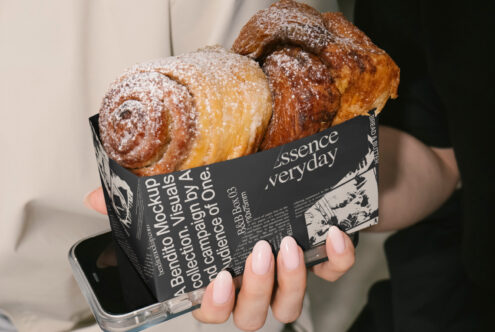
x=336, y=239
x=260, y=263
x=290, y=254
x=222, y=288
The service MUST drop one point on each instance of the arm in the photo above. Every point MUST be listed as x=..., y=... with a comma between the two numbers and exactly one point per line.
x=414, y=179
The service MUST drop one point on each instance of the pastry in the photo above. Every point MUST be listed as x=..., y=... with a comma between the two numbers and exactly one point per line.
x=185, y=111
x=305, y=98
x=213, y=105
x=358, y=75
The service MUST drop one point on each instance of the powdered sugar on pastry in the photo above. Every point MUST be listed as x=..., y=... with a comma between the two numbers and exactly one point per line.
x=190, y=110
x=363, y=73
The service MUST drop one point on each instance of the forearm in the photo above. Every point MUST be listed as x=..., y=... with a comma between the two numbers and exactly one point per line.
x=414, y=179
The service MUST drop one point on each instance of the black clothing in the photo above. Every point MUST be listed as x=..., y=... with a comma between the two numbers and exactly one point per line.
x=428, y=289
x=441, y=269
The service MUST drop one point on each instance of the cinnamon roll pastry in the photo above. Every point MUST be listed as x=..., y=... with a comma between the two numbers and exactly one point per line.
x=364, y=75
x=185, y=111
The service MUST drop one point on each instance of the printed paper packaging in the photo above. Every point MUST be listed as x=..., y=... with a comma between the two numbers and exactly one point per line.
x=180, y=229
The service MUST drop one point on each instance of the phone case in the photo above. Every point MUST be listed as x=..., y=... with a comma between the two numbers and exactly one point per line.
x=156, y=313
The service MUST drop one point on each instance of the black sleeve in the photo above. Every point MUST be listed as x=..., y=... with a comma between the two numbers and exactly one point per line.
x=418, y=110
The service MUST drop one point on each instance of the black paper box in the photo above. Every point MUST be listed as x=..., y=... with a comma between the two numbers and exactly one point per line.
x=180, y=229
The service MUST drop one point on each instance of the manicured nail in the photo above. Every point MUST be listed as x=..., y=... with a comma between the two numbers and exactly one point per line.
x=337, y=240
x=262, y=256
x=290, y=254
x=222, y=287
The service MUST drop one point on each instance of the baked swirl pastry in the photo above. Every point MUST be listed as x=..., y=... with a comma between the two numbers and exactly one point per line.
x=185, y=111
x=212, y=105
x=305, y=98
x=358, y=75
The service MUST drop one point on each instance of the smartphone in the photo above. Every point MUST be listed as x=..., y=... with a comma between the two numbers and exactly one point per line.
x=117, y=296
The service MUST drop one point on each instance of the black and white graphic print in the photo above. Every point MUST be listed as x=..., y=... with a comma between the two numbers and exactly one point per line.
x=180, y=229
x=119, y=192
x=351, y=204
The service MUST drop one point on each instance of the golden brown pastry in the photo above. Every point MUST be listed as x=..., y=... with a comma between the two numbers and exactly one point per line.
x=185, y=111
x=212, y=105
x=284, y=23
x=364, y=75
x=305, y=99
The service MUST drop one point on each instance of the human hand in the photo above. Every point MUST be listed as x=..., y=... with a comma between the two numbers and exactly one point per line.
x=261, y=288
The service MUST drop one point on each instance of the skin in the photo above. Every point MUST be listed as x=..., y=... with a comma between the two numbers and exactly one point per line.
x=414, y=181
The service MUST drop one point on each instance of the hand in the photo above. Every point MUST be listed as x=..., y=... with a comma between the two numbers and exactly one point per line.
x=259, y=288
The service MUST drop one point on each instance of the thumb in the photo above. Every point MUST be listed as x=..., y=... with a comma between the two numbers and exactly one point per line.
x=341, y=256
x=95, y=200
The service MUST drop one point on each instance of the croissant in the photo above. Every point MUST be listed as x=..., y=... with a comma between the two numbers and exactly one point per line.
x=185, y=111
x=322, y=70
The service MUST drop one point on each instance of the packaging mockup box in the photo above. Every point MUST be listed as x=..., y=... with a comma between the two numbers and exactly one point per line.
x=180, y=229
